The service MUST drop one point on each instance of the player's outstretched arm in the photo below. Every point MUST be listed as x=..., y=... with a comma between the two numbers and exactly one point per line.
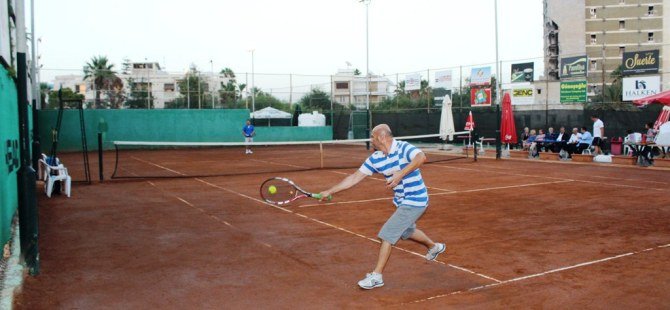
x=347, y=183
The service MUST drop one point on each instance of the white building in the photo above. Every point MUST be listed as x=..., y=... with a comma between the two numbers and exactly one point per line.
x=163, y=85
x=349, y=88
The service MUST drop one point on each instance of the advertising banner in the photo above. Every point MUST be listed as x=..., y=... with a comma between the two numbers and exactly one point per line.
x=572, y=92
x=480, y=76
x=523, y=94
x=522, y=72
x=412, y=82
x=640, y=87
x=573, y=67
x=439, y=94
x=480, y=97
x=642, y=62
x=443, y=79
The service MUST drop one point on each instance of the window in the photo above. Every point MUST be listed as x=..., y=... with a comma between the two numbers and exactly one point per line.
x=77, y=88
x=622, y=24
x=593, y=12
x=622, y=1
x=342, y=85
x=650, y=37
x=650, y=11
x=168, y=87
x=539, y=91
x=594, y=65
x=622, y=49
x=593, y=39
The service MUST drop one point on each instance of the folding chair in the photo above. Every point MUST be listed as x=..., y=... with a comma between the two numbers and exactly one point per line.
x=55, y=174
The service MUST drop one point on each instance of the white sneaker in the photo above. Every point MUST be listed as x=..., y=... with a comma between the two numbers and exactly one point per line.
x=435, y=251
x=371, y=281
x=251, y=152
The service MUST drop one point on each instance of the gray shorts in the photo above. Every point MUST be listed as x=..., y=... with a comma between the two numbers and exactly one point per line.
x=401, y=224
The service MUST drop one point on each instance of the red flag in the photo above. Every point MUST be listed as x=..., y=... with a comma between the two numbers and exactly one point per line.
x=470, y=122
x=507, y=126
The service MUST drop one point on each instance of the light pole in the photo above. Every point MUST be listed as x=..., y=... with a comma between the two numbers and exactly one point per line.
x=498, y=83
x=367, y=66
x=211, y=86
x=253, y=92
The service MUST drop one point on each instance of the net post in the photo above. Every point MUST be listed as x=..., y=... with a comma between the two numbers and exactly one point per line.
x=116, y=162
x=100, y=156
x=321, y=153
x=474, y=145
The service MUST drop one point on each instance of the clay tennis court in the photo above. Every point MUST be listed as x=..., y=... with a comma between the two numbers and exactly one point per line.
x=518, y=234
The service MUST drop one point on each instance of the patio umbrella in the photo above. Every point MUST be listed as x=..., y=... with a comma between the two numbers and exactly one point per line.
x=447, y=120
x=470, y=122
x=662, y=98
x=507, y=126
x=663, y=117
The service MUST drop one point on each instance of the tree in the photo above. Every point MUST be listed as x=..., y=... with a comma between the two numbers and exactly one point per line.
x=140, y=96
x=101, y=72
x=357, y=72
x=67, y=94
x=193, y=92
x=315, y=100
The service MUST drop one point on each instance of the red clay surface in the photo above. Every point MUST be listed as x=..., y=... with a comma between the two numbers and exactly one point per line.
x=521, y=234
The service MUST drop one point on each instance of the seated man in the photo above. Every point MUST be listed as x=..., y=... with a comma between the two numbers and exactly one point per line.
x=571, y=145
x=584, y=141
x=561, y=140
x=550, y=139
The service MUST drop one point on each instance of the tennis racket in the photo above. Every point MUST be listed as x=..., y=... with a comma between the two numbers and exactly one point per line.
x=281, y=191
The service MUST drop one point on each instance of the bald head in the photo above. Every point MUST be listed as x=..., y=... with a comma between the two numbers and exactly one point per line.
x=382, y=130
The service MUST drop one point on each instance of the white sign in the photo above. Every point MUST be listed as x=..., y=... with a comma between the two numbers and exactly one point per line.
x=480, y=76
x=523, y=94
x=443, y=79
x=640, y=87
x=413, y=82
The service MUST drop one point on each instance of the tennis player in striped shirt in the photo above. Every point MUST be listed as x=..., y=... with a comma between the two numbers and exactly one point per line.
x=398, y=162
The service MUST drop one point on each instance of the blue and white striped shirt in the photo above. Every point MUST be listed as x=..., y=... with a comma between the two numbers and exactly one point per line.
x=411, y=191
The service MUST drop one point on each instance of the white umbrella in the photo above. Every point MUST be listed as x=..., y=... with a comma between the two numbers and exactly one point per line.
x=447, y=120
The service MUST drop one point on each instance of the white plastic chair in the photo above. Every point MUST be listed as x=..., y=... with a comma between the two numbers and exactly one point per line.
x=54, y=174
x=42, y=167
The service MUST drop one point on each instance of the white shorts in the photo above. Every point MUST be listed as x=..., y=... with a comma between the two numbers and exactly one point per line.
x=248, y=139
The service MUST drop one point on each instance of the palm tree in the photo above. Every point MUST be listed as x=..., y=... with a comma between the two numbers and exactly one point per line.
x=99, y=70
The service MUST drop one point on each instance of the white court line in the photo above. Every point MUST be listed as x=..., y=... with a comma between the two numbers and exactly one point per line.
x=341, y=228
x=538, y=176
x=541, y=273
x=216, y=218
x=157, y=165
x=594, y=176
x=435, y=194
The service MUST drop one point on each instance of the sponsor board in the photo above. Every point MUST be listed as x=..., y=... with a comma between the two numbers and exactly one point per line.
x=480, y=97
x=642, y=62
x=573, y=67
x=640, y=87
x=443, y=79
x=522, y=72
x=523, y=95
x=412, y=82
x=480, y=76
x=573, y=92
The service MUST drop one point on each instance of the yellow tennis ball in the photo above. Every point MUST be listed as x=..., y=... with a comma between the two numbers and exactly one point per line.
x=272, y=189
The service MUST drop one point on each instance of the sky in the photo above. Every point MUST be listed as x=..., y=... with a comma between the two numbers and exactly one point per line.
x=314, y=37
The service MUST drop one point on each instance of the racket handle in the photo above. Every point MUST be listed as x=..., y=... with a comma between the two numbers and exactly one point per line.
x=318, y=196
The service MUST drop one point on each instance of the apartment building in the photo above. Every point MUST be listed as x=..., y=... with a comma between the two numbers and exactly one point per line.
x=614, y=27
x=349, y=88
x=604, y=30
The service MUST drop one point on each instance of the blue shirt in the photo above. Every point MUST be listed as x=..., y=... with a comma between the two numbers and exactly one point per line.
x=410, y=191
x=586, y=138
x=248, y=130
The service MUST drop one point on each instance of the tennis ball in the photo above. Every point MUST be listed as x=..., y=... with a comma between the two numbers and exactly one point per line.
x=272, y=189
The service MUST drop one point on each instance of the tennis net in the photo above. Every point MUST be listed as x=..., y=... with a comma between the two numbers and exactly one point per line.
x=146, y=159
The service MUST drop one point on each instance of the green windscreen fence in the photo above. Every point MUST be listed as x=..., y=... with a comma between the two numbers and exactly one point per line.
x=168, y=125
x=9, y=137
